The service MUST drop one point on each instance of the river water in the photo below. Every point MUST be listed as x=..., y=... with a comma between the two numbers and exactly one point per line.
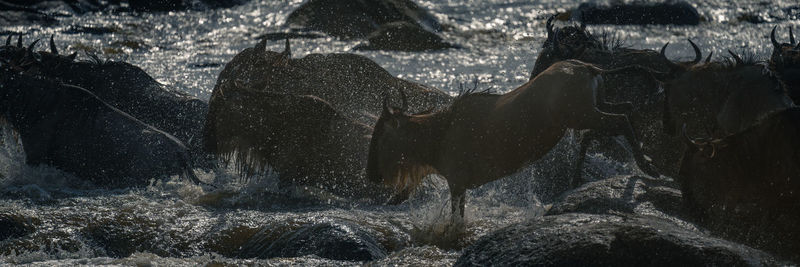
x=172, y=222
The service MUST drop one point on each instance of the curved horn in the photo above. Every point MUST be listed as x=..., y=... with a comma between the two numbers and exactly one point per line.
x=53, y=48
x=691, y=140
x=32, y=45
x=708, y=59
x=549, y=25
x=772, y=37
x=403, y=97
x=736, y=57
x=791, y=36
x=697, y=55
x=286, y=49
x=19, y=41
x=664, y=49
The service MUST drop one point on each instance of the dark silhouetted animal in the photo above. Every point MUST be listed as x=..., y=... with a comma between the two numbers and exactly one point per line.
x=301, y=137
x=722, y=98
x=785, y=62
x=125, y=87
x=73, y=130
x=645, y=97
x=353, y=84
x=483, y=137
x=746, y=186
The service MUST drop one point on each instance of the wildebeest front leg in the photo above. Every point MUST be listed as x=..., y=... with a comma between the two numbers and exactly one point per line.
x=585, y=140
x=457, y=204
x=618, y=124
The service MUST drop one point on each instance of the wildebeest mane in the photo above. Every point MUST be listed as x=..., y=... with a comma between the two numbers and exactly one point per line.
x=464, y=91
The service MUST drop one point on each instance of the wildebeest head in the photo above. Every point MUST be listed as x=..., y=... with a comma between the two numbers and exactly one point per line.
x=722, y=97
x=785, y=55
x=565, y=43
x=27, y=60
x=397, y=150
x=785, y=61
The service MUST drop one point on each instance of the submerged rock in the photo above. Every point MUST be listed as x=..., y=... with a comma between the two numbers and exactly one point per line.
x=330, y=240
x=678, y=13
x=403, y=36
x=606, y=240
x=358, y=18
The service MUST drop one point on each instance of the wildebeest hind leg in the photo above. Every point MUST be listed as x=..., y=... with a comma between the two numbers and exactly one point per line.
x=585, y=140
x=618, y=124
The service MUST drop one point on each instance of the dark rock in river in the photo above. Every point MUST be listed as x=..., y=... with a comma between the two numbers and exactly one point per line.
x=14, y=225
x=358, y=18
x=605, y=240
x=41, y=11
x=403, y=36
x=621, y=194
x=678, y=13
x=330, y=240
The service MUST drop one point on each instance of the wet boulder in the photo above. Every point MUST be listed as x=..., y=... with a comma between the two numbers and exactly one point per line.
x=85, y=6
x=677, y=13
x=627, y=194
x=577, y=239
x=73, y=130
x=403, y=36
x=21, y=14
x=358, y=18
x=336, y=240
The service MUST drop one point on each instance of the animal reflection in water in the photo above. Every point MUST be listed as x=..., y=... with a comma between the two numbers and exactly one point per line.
x=482, y=137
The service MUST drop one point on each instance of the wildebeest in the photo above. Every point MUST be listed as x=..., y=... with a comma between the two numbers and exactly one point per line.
x=746, y=186
x=73, y=130
x=301, y=137
x=722, y=98
x=353, y=84
x=482, y=137
x=320, y=142
x=785, y=62
x=576, y=42
x=125, y=87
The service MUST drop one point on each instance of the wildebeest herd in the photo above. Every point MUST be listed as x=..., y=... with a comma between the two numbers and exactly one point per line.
x=725, y=130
